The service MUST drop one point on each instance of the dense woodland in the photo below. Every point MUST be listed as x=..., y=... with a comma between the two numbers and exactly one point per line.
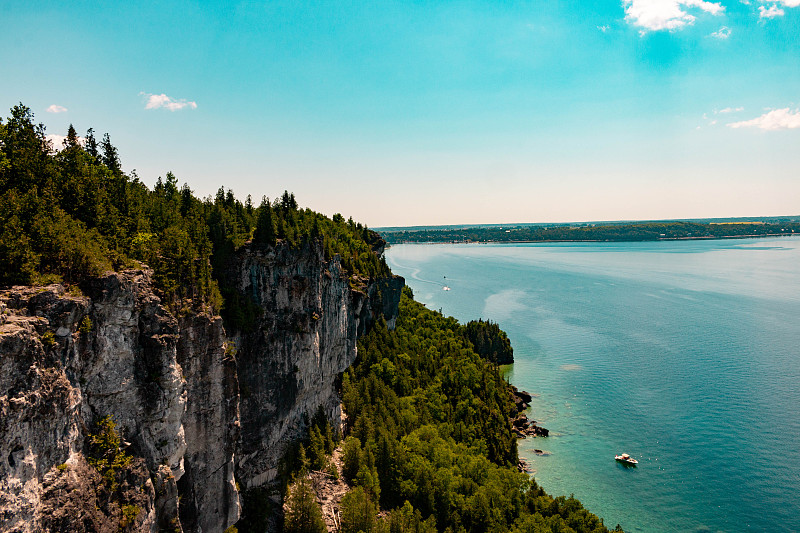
x=645, y=231
x=70, y=214
x=428, y=438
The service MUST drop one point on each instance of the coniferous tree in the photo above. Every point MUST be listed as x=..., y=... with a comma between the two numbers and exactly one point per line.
x=91, y=145
x=303, y=514
x=358, y=512
x=110, y=155
x=265, y=224
x=72, y=138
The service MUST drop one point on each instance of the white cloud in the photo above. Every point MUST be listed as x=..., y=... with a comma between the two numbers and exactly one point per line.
x=777, y=119
x=604, y=28
x=154, y=101
x=656, y=15
x=722, y=33
x=771, y=12
x=57, y=141
x=729, y=110
x=56, y=109
x=790, y=3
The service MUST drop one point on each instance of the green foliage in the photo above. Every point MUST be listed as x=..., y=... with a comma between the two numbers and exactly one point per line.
x=104, y=452
x=489, y=341
x=49, y=339
x=359, y=513
x=430, y=436
x=312, y=452
x=73, y=215
x=129, y=514
x=351, y=458
x=85, y=325
x=406, y=519
x=303, y=514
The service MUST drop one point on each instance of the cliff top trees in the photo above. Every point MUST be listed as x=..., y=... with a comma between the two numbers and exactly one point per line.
x=69, y=215
x=265, y=224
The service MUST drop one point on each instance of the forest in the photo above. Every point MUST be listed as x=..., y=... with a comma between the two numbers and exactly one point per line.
x=428, y=439
x=644, y=231
x=70, y=214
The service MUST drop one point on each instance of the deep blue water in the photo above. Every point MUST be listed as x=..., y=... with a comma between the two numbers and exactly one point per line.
x=685, y=354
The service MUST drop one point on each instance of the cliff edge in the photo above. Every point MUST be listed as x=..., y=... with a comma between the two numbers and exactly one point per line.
x=200, y=412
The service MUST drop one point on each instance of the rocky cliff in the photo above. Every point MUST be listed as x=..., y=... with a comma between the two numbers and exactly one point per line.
x=303, y=339
x=197, y=410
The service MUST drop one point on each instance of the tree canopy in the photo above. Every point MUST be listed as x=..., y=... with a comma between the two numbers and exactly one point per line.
x=73, y=214
x=430, y=437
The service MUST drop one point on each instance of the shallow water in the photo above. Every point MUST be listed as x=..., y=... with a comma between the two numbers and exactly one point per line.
x=685, y=354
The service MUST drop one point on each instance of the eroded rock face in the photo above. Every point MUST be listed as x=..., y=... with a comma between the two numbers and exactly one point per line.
x=304, y=338
x=67, y=361
x=209, y=498
x=175, y=387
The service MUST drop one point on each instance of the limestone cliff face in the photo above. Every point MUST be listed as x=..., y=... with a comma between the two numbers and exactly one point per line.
x=209, y=498
x=304, y=338
x=68, y=361
x=198, y=410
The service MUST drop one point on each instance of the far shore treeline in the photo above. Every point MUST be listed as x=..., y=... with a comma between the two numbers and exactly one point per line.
x=429, y=441
x=612, y=232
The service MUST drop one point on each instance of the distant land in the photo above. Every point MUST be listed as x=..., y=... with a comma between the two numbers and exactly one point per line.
x=624, y=230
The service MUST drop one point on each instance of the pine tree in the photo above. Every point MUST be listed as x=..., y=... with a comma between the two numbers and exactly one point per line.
x=265, y=224
x=303, y=514
x=110, y=156
x=358, y=512
x=72, y=138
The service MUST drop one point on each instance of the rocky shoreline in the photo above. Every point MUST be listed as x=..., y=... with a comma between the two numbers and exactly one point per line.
x=520, y=424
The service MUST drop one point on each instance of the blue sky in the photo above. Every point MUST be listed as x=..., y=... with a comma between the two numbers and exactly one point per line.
x=433, y=112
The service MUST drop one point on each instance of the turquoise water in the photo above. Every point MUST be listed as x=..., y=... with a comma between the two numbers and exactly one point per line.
x=685, y=354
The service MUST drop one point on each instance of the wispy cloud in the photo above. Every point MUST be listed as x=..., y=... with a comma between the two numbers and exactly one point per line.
x=729, y=110
x=777, y=119
x=771, y=12
x=56, y=109
x=155, y=101
x=656, y=15
x=722, y=33
x=604, y=28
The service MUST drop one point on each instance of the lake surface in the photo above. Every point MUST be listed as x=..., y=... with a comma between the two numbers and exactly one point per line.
x=685, y=354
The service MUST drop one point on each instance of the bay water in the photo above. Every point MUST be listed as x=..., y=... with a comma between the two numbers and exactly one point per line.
x=684, y=354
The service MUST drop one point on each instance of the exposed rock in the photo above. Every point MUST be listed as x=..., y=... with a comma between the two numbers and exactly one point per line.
x=175, y=388
x=330, y=490
x=304, y=338
x=520, y=425
x=66, y=361
x=209, y=498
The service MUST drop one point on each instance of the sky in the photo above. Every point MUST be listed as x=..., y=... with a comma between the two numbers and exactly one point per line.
x=423, y=113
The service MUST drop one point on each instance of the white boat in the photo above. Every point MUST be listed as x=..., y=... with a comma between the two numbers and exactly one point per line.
x=445, y=288
x=627, y=459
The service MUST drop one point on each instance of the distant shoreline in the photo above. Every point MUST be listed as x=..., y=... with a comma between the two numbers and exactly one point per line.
x=703, y=238
x=643, y=232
